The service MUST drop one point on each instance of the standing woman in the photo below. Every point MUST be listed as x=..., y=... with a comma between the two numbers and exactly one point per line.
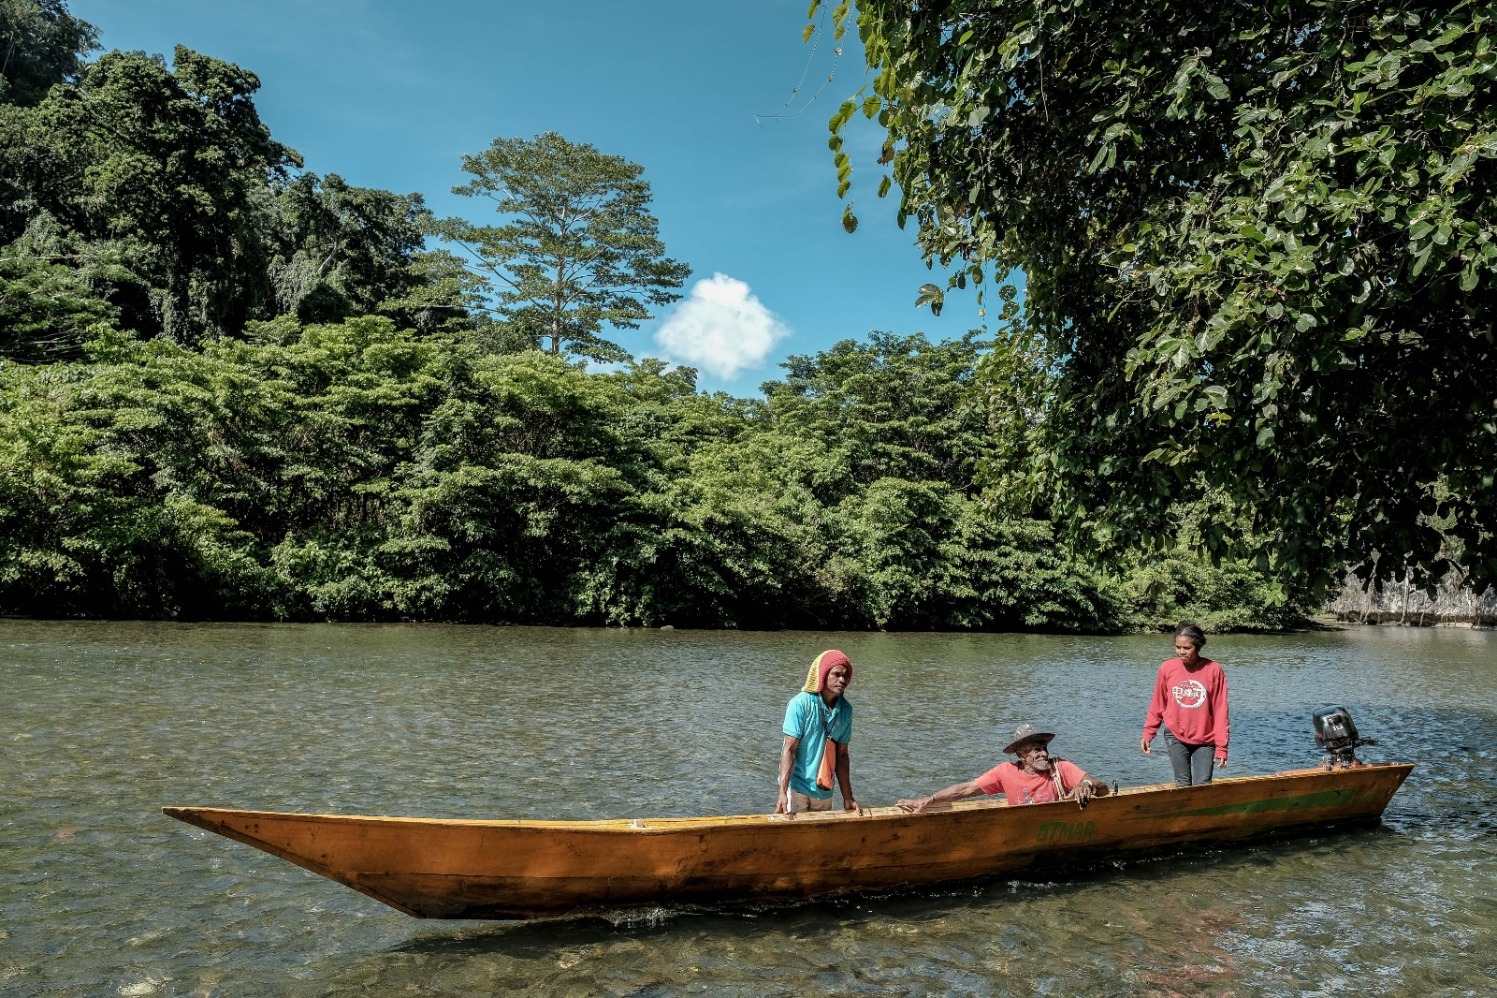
x=1190, y=699
x=818, y=730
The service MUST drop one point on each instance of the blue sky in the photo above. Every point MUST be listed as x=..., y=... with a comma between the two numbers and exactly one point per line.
x=392, y=93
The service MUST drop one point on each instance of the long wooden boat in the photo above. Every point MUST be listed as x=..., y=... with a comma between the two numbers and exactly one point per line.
x=435, y=868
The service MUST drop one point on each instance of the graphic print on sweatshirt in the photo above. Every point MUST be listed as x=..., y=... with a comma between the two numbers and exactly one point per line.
x=1189, y=694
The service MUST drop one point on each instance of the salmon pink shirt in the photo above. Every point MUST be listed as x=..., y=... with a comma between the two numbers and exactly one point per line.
x=1029, y=788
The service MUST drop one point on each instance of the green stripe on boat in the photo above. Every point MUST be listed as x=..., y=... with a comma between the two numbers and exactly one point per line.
x=1327, y=798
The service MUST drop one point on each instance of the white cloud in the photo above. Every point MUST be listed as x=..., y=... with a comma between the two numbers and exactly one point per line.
x=721, y=328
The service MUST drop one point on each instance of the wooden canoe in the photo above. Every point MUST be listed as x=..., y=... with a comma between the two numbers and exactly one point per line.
x=435, y=868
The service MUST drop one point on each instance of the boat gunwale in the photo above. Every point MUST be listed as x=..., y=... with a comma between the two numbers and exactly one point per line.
x=668, y=825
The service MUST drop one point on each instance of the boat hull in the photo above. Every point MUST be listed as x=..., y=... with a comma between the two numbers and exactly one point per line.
x=435, y=868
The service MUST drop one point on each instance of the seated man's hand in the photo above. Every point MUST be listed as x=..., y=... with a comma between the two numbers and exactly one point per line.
x=917, y=805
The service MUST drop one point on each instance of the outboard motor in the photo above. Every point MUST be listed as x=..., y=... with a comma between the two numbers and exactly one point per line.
x=1335, y=732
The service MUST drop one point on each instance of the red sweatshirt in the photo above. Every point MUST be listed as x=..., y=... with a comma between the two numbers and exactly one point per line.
x=1192, y=703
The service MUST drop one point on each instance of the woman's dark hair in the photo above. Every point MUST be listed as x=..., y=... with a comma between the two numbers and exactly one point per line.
x=1194, y=633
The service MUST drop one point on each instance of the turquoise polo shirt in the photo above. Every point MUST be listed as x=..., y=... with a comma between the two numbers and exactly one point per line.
x=807, y=718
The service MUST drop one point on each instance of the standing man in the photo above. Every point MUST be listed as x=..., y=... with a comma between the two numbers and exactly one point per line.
x=818, y=730
x=1034, y=778
x=1190, y=701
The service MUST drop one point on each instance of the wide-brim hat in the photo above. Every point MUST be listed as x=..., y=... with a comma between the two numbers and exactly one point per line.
x=1026, y=733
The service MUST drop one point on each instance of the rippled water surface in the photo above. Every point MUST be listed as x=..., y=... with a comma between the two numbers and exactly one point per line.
x=102, y=724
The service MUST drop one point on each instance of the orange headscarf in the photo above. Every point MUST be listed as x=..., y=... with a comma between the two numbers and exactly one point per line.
x=824, y=663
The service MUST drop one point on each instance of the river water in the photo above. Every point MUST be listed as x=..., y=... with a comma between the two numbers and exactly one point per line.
x=103, y=723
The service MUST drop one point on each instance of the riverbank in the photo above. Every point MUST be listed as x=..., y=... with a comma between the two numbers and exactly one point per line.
x=1483, y=622
x=1451, y=604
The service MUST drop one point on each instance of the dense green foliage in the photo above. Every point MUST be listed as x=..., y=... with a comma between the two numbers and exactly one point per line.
x=152, y=174
x=153, y=198
x=230, y=388
x=1259, y=242
x=358, y=472
x=40, y=44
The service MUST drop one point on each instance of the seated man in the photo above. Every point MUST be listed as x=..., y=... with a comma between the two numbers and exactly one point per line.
x=1034, y=779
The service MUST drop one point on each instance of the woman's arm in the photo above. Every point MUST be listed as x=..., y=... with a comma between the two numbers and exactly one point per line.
x=844, y=776
x=787, y=763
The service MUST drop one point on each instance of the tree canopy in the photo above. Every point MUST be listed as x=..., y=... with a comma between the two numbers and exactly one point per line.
x=158, y=177
x=152, y=197
x=344, y=251
x=356, y=471
x=578, y=250
x=40, y=44
x=1259, y=249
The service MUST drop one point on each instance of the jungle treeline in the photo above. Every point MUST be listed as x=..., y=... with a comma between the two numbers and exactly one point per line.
x=233, y=389
x=358, y=471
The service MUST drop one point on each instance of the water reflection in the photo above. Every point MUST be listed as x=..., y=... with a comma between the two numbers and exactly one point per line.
x=101, y=894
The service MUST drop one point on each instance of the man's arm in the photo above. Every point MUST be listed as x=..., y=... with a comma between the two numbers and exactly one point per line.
x=1088, y=787
x=844, y=776
x=954, y=792
x=787, y=763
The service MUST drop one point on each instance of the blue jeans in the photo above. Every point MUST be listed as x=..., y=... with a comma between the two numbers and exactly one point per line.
x=1192, y=763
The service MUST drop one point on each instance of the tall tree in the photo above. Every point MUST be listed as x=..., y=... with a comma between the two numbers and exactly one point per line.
x=173, y=167
x=1260, y=238
x=40, y=44
x=344, y=250
x=579, y=249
